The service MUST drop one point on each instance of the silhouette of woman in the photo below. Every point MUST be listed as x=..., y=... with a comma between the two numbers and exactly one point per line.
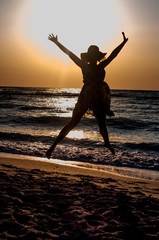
x=95, y=93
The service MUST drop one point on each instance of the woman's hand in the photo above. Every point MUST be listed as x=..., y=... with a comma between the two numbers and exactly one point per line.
x=124, y=38
x=52, y=38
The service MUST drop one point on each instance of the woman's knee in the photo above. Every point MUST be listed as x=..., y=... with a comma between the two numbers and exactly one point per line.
x=72, y=123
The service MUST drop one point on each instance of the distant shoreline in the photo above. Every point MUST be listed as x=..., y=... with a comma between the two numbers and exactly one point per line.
x=144, y=90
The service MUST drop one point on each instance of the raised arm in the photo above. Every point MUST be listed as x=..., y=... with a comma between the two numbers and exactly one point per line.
x=115, y=52
x=74, y=58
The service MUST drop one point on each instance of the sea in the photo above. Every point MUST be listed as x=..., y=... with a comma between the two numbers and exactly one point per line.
x=31, y=118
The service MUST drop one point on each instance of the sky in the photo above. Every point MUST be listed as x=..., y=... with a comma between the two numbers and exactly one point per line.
x=28, y=59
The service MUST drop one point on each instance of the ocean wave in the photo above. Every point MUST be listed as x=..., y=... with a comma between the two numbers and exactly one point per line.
x=40, y=121
x=43, y=120
x=54, y=121
x=27, y=108
x=98, y=156
x=136, y=95
x=136, y=115
x=23, y=137
x=40, y=92
x=28, y=138
x=90, y=122
x=66, y=92
x=13, y=136
x=7, y=106
x=127, y=123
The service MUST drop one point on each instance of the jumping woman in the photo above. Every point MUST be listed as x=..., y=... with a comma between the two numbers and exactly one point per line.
x=95, y=94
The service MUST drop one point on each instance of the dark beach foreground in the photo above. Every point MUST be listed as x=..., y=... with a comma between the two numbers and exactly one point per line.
x=40, y=200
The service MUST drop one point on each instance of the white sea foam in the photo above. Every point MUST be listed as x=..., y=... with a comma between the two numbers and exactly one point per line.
x=122, y=171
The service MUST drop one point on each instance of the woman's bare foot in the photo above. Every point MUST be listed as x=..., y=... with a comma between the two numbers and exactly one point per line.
x=110, y=148
x=48, y=153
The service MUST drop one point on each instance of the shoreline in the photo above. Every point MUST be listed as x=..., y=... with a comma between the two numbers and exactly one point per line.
x=66, y=167
x=42, y=200
x=135, y=173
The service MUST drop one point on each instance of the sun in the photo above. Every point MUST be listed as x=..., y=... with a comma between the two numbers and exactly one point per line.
x=78, y=24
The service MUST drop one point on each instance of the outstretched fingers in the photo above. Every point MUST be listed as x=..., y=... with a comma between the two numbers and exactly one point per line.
x=52, y=38
x=124, y=37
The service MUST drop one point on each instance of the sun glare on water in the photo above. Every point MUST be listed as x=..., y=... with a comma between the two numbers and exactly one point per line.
x=76, y=134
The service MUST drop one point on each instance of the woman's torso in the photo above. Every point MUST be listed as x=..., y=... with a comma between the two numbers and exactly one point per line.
x=93, y=75
x=95, y=91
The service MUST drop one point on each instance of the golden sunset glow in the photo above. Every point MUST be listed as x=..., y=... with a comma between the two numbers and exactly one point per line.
x=75, y=23
x=29, y=59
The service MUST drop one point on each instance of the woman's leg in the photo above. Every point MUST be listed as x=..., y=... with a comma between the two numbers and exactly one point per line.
x=71, y=124
x=103, y=131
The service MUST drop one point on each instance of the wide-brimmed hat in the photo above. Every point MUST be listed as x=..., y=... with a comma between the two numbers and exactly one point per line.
x=93, y=50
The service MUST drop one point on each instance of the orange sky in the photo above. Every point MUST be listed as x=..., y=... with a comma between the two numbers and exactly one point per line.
x=29, y=59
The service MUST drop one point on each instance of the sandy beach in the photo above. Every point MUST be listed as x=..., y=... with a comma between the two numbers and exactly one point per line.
x=41, y=200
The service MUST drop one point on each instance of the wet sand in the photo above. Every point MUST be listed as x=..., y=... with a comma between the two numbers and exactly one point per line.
x=40, y=200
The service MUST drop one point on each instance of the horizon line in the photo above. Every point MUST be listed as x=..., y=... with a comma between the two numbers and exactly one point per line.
x=122, y=89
